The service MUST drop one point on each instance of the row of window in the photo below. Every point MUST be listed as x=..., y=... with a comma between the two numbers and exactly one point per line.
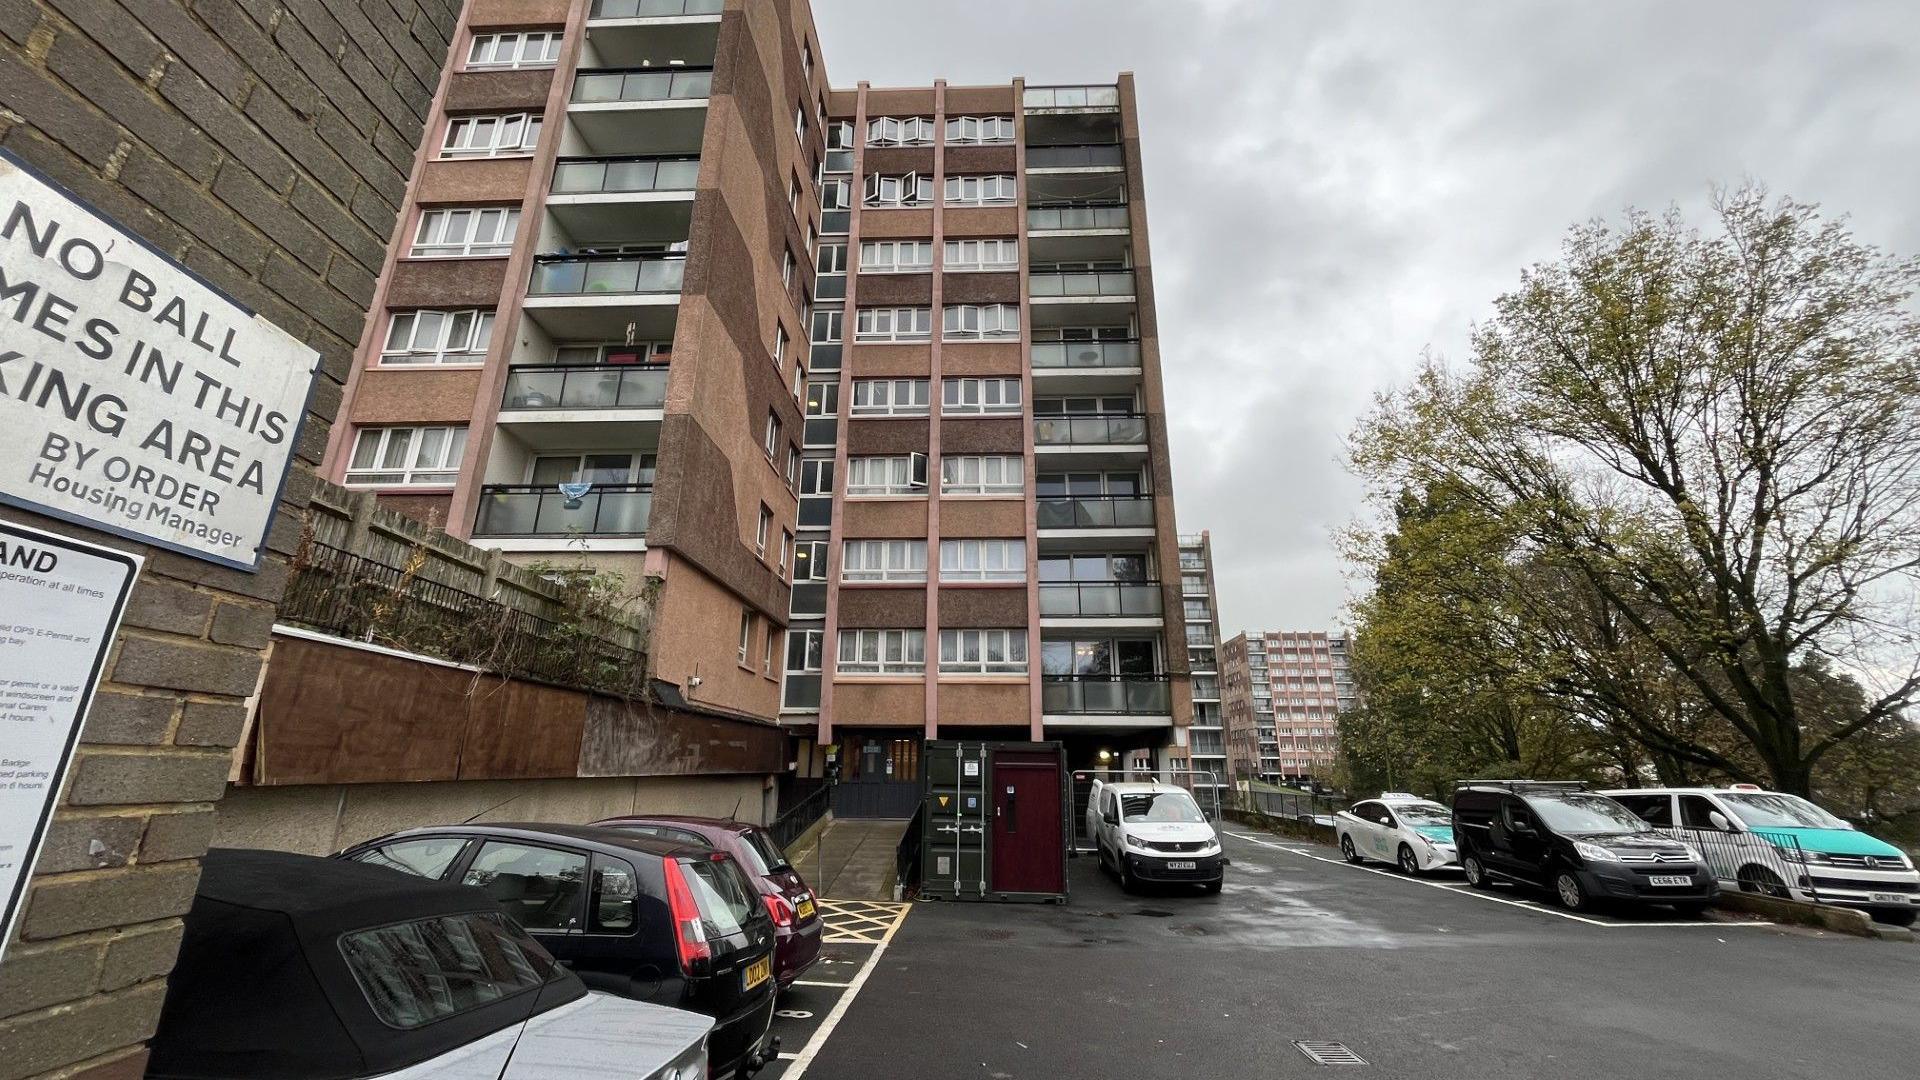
x=959, y=396
x=960, y=560
x=904, y=652
x=918, y=131
x=976, y=322
x=916, y=256
x=916, y=189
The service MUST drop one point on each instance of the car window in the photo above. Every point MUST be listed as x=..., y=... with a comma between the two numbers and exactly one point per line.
x=1418, y=814
x=1364, y=811
x=722, y=895
x=539, y=886
x=414, y=973
x=1159, y=806
x=428, y=857
x=616, y=893
x=1518, y=814
x=1656, y=809
x=762, y=849
x=1697, y=812
x=1774, y=810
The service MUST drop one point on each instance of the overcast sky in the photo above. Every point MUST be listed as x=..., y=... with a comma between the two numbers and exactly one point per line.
x=1335, y=186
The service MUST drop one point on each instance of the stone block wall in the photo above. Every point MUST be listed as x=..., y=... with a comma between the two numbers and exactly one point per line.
x=265, y=144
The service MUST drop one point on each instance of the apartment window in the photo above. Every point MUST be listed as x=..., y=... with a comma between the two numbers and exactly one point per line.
x=983, y=560
x=884, y=560
x=816, y=476
x=911, y=189
x=786, y=268
x=766, y=651
x=786, y=549
x=893, y=474
x=899, y=131
x=762, y=530
x=836, y=193
x=810, y=560
x=982, y=474
x=793, y=467
x=805, y=650
x=983, y=652
x=893, y=324
x=831, y=260
x=780, y=347
x=534, y=48
x=437, y=337
x=980, y=321
x=640, y=352
x=793, y=195
x=982, y=255
x=980, y=129
x=800, y=124
x=889, y=397
x=828, y=323
x=840, y=135
x=491, y=136
x=773, y=434
x=979, y=397
x=477, y=231
x=806, y=61
x=746, y=633
x=993, y=190
x=883, y=652
x=896, y=256
x=407, y=456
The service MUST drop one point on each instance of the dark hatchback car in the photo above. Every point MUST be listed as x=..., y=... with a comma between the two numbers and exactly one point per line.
x=644, y=918
x=1579, y=845
x=796, y=918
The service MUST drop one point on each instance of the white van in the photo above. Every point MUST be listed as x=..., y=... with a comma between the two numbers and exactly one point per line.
x=1152, y=831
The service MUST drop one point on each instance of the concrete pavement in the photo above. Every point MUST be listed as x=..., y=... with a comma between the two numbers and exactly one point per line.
x=852, y=858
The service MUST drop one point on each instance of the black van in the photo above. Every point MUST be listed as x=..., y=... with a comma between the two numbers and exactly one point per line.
x=1577, y=844
x=632, y=915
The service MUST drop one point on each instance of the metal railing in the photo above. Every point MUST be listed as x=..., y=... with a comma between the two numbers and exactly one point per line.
x=1049, y=218
x=624, y=173
x=1098, y=599
x=800, y=817
x=1770, y=862
x=1071, y=97
x=601, y=85
x=575, y=275
x=1084, y=156
x=1086, y=354
x=1109, y=695
x=544, y=510
x=1097, y=429
x=1305, y=809
x=336, y=592
x=1095, y=512
x=1080, y=283
x=653, y=9
x=584, y=386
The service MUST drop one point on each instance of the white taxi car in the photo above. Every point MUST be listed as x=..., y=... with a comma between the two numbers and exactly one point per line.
x=1414, y=834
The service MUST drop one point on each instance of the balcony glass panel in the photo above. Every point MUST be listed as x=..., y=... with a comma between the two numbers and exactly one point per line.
x=1071, y=97
x=1107, y=429
x=1116, y=695
x=584, y=386
x=593, y=85
x=1096, y=512
x=654, y=9
x=1086, y=354
x=575, y=176
x=1081, y=283
x=575, y=274
x=803, y=692
x=1095, y=599
x=1049, y=218
x=544, y=510
x=1097, y=155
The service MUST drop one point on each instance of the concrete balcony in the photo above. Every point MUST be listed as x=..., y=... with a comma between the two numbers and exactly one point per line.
x=646, y=110
x=589, y=297
x=624, y=198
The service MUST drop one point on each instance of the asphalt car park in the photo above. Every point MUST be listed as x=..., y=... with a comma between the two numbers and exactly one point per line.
x=1419, y=977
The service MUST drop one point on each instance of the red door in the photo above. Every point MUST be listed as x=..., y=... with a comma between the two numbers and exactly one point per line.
x=1027, y=852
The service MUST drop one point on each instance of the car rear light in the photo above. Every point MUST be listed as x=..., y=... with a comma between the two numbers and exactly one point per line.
x=690, y=936
x=781, y=911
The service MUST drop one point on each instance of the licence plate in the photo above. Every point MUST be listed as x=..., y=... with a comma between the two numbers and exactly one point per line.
x=1891, y=898
x=1668, y=879
x=804, y=909
x=1180, y=864
x=758, y=972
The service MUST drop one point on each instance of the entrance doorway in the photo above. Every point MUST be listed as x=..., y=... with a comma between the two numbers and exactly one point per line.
x=1027, y=856
x=879, y=774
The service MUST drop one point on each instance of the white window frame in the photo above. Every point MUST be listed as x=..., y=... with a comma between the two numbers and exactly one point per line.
x=816, y=559
x=780, y=346
x=800, y=123
x=772, y=446
x=836, y=193
x=887, y=474
x=896, y=256
x=762, y=530
x=883, y=560
x=900, y=131
x=840, y=135
x=983, y=560
x=766, y=651
x=882, y=652
x=459, y=336
x=830, y=260
x=955, y=467
x=431, y=236
x=988, y=396
x=526, y=126
x=834, y=320
x=908, y=189
x=893, y=324
x=970, y=652
x=746, y=634
x=816, y=477
x=890, y=397
x=520, y=42
x=980, y=322
x=992, y=189
x=786, y=550
x=990, y=254
x=813, y=645
x=979, y=130
x=442, y=471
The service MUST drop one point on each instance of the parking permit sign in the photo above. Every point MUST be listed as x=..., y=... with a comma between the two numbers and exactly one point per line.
x=60, y=606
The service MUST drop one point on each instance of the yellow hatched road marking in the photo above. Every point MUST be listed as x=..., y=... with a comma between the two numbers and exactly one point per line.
x=862, y=922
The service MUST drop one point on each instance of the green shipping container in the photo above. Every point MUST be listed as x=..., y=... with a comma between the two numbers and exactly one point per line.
x=993, y=821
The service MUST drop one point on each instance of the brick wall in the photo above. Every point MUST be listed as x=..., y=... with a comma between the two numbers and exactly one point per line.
x=266, y=145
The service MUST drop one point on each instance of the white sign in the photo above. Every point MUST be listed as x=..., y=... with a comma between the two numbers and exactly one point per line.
x=60, y=604
x=135, y=397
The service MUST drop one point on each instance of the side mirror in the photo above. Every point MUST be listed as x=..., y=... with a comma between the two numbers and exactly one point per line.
x=1110, y=818
x=1719, y=821
x=1521, y=827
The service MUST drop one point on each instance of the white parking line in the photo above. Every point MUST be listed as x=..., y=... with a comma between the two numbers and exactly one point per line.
x=806, y=1055
x=816, y=982
x=1475, y=893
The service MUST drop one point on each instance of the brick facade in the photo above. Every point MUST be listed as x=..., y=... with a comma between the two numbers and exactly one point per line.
x=265, y=144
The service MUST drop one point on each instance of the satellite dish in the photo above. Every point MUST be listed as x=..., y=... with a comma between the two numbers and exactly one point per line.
x=574, y=493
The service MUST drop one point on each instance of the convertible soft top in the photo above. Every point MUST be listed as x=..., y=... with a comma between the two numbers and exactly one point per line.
x=262, y=989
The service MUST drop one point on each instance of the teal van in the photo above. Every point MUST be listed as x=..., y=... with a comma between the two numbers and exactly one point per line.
x=1782, y=845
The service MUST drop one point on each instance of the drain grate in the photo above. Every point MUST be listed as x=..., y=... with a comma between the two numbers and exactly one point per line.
x=1328, y=1053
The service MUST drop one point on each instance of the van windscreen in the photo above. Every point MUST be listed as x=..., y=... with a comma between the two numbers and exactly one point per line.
x=1577, y=812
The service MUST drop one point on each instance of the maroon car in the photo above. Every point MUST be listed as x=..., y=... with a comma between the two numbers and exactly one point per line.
x=796, y=921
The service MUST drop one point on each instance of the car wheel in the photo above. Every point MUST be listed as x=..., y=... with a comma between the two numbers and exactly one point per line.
x=1126, y=874
x=1409, y=862
x=1568, y=890
x=1346, y=850
x=1690, y=911
x=1759, y=879
x=1476, y=872
x=1895, y=918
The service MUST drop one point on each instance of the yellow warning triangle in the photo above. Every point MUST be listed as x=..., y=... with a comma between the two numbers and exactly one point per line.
x=943, y=799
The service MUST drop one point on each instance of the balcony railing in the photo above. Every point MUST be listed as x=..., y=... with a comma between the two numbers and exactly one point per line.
x=1086, y=354
x=1071, y=97
x=597, y=175
x=1104, y=429
x=1080, y=283
x=1049, y=218
x=653, y=9
x=1112, y=695
x=1086, y=156
x=1095, y=512
x=1100, y=599
x=584, y=386
x=568, y=275
x=594, y=85
x=508, y=510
